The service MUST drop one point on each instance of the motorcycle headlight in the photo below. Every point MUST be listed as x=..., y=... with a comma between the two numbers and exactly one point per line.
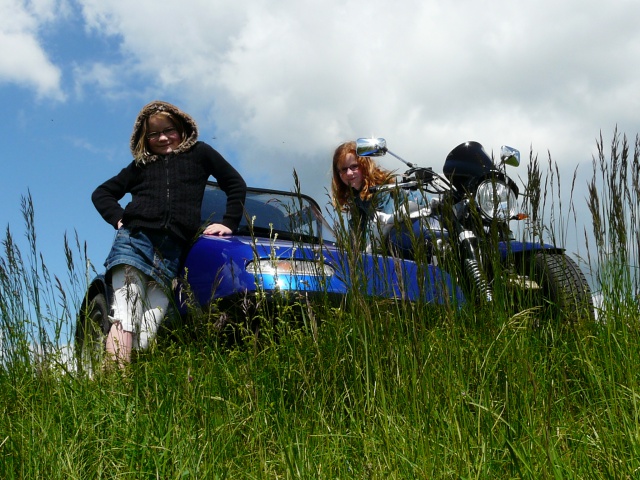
x=496, y=200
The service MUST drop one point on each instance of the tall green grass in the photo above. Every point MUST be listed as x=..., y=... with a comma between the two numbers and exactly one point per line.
x=614, y=205
x=37, y=308
x=363, y=390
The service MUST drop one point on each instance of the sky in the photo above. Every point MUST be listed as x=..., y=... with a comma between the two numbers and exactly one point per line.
x=276, y=86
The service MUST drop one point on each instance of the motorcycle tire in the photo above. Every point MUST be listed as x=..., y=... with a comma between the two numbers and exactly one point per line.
x=564, y=292
x=92, y=329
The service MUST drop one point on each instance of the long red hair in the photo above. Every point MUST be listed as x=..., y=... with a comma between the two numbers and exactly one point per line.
x=372, y=175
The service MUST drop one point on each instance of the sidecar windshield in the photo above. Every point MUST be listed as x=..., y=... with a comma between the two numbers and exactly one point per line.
x=405, y=196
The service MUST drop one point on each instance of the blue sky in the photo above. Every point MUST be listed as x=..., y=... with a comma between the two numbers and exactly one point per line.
x=277, y=87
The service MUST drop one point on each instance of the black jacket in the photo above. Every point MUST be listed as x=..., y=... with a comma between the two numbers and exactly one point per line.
x=167, y=193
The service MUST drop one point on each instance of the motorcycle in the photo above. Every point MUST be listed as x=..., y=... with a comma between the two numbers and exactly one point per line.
x=468, y=212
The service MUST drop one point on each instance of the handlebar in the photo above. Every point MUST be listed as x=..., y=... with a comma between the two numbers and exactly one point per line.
x=419, y=177
x=421, y=173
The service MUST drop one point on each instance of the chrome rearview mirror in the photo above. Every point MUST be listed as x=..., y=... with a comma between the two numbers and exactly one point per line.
x=376, y=147
x=371, y=147
x=509, y=156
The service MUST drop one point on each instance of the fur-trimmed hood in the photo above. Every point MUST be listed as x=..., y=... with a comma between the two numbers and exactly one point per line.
x=190, y=130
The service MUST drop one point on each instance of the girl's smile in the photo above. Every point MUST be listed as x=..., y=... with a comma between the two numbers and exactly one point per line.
x=350, y=172
x=162, y=136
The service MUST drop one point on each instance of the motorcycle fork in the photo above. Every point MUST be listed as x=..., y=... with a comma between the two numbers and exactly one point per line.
x=472, y=264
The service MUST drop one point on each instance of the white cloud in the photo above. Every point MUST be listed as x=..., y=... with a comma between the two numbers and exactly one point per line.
x=23, y=60
x=285, y=82
x=105, y=78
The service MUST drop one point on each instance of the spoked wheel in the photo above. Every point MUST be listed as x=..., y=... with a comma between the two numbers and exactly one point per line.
x=91, y=333
x=557, y=285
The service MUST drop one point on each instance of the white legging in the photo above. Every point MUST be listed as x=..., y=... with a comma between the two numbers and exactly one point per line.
x=139, y=304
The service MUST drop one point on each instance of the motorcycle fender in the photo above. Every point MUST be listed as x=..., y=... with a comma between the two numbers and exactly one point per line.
x=513, y=247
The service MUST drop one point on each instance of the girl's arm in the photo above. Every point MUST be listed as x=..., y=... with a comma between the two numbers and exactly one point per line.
x=106, y=197
x=231, y=183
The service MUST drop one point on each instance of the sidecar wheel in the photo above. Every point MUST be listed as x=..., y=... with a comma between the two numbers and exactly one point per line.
x=91, y=333
x=564, y=290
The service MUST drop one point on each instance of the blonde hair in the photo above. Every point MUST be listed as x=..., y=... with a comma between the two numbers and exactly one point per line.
x=372, y=175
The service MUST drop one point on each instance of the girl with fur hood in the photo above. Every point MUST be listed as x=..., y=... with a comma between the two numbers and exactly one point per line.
x=166, y=180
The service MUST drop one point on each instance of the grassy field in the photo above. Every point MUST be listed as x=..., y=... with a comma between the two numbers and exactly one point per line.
x=377, y=390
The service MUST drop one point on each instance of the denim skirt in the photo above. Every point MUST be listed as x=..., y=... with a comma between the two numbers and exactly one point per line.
x=155, y=253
